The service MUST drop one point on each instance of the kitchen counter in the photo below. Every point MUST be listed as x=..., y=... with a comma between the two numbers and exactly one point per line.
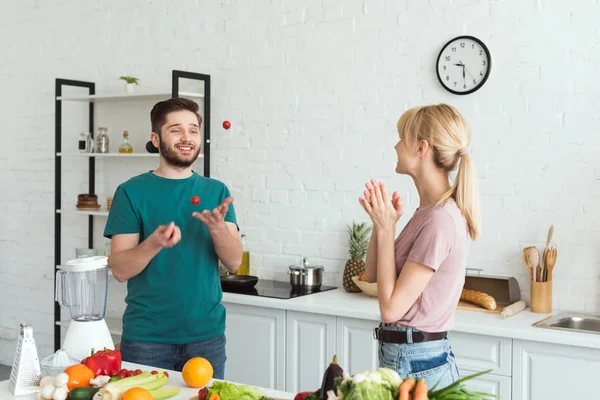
x=340, y=303
x=175, y=380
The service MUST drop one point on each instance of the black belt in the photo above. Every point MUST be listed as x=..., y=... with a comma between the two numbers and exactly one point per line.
x=401, y=337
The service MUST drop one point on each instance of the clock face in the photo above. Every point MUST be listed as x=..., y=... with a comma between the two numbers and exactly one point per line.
x=463, y=65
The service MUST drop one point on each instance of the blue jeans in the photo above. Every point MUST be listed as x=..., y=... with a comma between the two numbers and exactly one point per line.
x=174, y=356
x=432, y=361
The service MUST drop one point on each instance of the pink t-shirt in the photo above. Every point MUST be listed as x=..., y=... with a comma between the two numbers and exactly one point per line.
x=436, y=237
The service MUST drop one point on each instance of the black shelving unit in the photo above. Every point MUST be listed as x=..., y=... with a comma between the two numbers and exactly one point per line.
x=91, y=86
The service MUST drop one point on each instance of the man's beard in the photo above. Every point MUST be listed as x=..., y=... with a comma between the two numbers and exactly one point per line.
x=173, y=159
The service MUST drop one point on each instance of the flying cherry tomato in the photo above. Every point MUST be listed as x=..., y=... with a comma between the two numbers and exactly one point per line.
x=226, y=124
x=195, y=200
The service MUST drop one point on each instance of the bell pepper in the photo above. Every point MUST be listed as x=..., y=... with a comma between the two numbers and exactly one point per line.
x=114, y=359
x=99, y=365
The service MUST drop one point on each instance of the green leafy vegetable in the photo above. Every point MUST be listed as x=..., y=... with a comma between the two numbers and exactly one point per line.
x=231, y=391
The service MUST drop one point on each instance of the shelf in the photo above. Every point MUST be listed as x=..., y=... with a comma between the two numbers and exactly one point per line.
x=115, y=325
x=125, y=96
x=114, y=155
x=98, y=213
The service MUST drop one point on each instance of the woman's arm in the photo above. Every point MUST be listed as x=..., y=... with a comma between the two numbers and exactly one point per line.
x=397, y=295
x=371, y=260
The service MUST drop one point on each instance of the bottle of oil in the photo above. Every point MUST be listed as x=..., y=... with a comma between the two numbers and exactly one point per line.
x=125, y=147
x=244, y=268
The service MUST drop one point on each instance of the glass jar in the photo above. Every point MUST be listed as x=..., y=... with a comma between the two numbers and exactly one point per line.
x=102, y=140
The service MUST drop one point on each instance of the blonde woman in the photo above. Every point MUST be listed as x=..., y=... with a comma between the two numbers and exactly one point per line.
x=420, y=273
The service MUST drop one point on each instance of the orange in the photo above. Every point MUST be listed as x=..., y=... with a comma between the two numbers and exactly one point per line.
x=137, y=393
x=79, y=376
x=197, y=372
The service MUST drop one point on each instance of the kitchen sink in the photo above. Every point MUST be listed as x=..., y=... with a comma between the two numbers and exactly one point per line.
x=572, y=321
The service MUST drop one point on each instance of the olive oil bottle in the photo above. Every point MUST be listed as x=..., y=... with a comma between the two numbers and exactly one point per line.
x=244, y=268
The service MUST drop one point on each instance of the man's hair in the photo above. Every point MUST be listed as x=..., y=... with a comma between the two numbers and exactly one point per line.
x=158, y=115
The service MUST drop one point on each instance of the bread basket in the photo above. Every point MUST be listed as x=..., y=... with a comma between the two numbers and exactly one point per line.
x=366, y=287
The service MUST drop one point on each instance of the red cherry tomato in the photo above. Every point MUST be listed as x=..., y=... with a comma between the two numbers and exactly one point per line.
x=166, y=374
x=226, y=124
x=195, y=200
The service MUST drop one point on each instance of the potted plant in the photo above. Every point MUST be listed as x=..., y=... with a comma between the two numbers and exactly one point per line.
x=130, y=83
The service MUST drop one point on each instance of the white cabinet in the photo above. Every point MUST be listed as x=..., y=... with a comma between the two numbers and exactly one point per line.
x=544, y=371
x=310, y=347
x=481, y=352
x=357, y=350
x=255, y=346
x=489, y=383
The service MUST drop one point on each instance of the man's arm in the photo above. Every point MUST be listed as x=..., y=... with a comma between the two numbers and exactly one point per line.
x=129, y=257
x=227, y=245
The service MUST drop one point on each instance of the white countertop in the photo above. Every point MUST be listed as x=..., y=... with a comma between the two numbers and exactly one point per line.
x=175, y=380
x=340, y=303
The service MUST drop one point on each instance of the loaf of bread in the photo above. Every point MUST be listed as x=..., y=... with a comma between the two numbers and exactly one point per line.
x=478, y=298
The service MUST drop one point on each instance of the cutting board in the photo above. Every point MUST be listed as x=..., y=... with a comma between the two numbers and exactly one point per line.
x=463, y=305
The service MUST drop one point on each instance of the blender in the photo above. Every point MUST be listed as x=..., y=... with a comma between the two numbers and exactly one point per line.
x=82, y=287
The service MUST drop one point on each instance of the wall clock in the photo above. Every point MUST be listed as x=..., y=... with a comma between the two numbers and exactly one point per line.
x=463, y=65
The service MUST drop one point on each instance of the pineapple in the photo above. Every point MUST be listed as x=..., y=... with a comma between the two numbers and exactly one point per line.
x=359, y=242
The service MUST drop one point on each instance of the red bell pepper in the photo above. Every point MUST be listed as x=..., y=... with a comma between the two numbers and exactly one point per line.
x=98, y=364
x=114, y=359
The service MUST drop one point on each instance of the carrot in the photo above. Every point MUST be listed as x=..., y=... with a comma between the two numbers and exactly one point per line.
x=420, y=390
x=215, y=396
x=405, y=388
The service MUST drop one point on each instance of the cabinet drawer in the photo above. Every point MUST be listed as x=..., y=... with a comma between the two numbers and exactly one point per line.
x=489, y=383
x=481, y=352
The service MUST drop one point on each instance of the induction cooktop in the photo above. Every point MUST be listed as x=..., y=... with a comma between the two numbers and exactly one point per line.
x=277, y=290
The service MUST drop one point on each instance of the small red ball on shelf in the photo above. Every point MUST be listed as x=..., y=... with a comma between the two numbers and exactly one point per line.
x=226, y=124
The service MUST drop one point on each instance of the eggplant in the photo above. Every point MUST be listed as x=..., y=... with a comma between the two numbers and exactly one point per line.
x=332, y=372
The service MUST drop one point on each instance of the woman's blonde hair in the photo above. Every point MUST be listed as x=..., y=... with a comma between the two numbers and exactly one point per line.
x=449, y=136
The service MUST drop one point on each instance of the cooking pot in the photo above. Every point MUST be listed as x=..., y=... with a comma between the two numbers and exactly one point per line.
x=306, y=276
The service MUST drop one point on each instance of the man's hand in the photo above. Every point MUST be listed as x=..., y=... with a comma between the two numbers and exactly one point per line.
x=213, y=219
x=166, y=236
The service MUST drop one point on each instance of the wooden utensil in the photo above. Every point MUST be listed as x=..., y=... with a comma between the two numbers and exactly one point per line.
x=550, y=261
x=533, y=260
x=526, y=262
x=545, y=268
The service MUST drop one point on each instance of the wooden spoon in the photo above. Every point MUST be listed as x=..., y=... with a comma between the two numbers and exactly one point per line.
x=550, y=232
x=550, y=261
x=526, y=262
x=533, y=260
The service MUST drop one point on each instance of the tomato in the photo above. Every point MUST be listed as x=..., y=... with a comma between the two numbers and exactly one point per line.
x=166, y=374
x=302, y=395
x=226, y=124
x=154, y=372
x=195, y=200
x=138, y=371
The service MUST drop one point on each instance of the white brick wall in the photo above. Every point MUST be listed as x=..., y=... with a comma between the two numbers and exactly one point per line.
x=313, y=91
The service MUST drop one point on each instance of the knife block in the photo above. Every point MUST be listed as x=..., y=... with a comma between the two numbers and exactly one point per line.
x=505, y=290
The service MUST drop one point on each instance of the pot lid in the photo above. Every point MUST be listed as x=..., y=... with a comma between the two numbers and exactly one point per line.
x=305, y=265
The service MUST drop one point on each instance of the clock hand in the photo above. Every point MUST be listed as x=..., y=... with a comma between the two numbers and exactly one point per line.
x=470, y=73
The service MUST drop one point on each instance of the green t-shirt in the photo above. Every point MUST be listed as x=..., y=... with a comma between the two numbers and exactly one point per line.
x=177, y=298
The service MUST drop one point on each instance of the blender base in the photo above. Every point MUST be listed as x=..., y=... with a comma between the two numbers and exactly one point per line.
x=83, y=336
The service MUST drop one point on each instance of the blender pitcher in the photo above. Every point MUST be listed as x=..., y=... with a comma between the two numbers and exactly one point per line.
x=82, y=286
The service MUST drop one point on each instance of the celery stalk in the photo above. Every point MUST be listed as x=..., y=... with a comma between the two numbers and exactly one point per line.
x=164, y=393
x=114, y=390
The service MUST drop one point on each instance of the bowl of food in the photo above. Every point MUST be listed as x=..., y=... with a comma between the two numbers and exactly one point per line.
x=366, y=287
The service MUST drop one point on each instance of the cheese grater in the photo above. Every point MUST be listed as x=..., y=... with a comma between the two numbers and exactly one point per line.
x=25, y=373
